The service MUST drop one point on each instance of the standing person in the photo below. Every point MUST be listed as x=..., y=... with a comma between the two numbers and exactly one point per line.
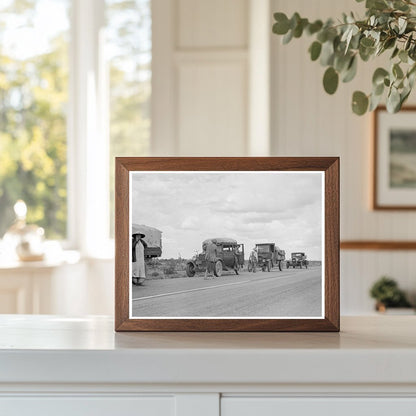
x=138, y=246
x=253, y=259
x=211, y=255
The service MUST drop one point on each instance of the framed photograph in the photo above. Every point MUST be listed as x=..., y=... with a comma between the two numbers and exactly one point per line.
x=227, y=244
x=394, y=159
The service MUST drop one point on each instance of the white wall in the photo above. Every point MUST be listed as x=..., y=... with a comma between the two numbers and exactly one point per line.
x=200, y=77
x=308, y=122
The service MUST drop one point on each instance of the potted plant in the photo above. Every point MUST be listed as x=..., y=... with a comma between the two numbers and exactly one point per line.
x=389, y=27
x=387, y=294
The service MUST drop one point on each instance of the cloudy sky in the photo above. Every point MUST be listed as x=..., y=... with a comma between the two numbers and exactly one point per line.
x=252, y=207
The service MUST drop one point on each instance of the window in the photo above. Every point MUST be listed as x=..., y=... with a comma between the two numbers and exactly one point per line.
x=129, y=45
x=75, y=88
x=33, y=104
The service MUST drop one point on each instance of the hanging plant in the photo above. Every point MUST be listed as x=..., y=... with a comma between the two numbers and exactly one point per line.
x=388, y=27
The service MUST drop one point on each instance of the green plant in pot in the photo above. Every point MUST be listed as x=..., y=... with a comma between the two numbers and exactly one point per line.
x=387, y=294
x=389, y=27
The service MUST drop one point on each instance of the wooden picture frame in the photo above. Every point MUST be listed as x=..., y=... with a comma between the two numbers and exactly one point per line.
x=137, y=168
x=391, y=190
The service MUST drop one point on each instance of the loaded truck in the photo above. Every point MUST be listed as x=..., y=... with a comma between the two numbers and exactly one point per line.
x=153, y=239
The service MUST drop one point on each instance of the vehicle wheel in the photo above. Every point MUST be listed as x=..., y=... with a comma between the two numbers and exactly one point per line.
x=280, y=265
x=218, y=269
x=190, y=270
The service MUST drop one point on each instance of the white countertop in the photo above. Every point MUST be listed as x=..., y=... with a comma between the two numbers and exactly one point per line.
x=52, y=349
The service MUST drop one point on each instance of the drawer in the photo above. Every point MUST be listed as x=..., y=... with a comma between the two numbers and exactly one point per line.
x=274, y=406
x=87, y=406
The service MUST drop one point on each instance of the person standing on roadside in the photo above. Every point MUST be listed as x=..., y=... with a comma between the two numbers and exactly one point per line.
x=139, y=270
x=211, y=254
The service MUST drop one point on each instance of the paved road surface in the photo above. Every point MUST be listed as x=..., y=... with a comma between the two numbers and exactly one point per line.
x=292, y=292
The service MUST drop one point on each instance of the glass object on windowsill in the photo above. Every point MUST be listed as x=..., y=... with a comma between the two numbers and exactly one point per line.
x=25, y=241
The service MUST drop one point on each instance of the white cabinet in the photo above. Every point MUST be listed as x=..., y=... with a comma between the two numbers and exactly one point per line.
x=80, y=366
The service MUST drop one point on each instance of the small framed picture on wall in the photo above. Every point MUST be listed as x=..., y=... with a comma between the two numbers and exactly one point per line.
x=394, y=159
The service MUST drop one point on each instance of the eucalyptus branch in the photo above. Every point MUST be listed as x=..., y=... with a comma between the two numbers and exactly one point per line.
x=389, y=25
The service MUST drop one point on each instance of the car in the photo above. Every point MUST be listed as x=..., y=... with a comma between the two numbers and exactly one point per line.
x=298, y=260
x=230, y=257
x=269, y=256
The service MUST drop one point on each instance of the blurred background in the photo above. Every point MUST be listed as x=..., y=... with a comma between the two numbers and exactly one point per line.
x=83, y=81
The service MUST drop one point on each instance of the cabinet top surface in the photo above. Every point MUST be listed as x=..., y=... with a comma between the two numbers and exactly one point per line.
x=43, y=332
x=53, y=350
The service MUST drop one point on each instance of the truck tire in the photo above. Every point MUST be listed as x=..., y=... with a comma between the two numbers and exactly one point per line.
x=218, y=268
x=190, y=270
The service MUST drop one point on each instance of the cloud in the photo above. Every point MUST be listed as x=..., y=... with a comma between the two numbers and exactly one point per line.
x=280, y=207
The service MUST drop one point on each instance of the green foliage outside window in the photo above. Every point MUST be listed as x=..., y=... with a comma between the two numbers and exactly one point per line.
x=33, y=100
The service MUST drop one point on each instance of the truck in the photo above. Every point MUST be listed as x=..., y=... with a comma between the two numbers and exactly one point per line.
x=269, y=256
x=153, y=239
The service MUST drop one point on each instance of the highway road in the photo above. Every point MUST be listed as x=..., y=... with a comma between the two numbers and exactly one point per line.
x=287, y=293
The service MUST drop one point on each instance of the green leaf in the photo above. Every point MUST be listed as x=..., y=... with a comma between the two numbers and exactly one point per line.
x=376, y=4
x=314, y=27
x=393, y=101
x=366, y=53
x=359, y=103
x=367, y=42
x=374, y=102
x=402, y=24
x=281, y=27
x=298, y=30
x=403, y=96
x=408, y=42
x=330, y=80
x=389, y=43
x=315, y=50
x=378, y=89
x=395, y=52
x=351, y=71
x=341, y=61
x=327, y=53
x=379, y=75
x=288, y=37
x=403, y=56
x=397, y=71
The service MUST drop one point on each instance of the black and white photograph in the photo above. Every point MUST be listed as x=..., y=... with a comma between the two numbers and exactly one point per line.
x=228, y=244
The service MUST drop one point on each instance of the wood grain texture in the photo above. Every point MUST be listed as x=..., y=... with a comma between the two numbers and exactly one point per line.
x=378, y=245
x=330, y=165
x=376, y=204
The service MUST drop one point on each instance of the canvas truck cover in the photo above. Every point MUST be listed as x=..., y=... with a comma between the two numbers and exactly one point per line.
x=153, y=236
x=230, y=241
